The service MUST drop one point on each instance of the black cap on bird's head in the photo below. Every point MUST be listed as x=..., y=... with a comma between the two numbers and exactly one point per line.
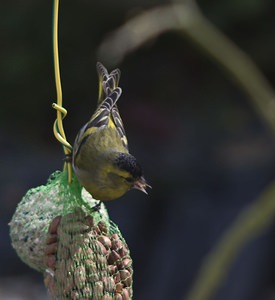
x=132, y=168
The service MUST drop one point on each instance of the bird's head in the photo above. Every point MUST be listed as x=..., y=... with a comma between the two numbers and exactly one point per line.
x=129, y=172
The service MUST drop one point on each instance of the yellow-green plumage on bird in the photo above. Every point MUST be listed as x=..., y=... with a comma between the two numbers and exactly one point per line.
x=101, y=158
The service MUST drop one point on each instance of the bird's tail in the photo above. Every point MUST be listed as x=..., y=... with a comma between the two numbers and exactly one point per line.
x=107, y=82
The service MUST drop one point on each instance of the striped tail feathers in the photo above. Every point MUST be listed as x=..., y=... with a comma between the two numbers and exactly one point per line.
x=109, y=93
x=111, y=99
x=107, y=82
x=111, y=82
x=102, y=71
x=104, y=111
x=115, y=75
x=102, y=76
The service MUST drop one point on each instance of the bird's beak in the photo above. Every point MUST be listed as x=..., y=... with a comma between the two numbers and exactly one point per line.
x=141, y=185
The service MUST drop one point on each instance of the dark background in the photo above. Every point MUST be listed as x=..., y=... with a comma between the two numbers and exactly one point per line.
x=204, y=149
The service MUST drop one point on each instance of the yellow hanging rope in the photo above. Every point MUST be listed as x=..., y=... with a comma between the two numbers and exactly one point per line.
x=61, y=111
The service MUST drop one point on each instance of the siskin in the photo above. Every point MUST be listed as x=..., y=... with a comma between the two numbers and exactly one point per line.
x=101, y=159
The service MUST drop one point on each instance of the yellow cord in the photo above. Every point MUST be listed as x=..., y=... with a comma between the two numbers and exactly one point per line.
x=61, y=111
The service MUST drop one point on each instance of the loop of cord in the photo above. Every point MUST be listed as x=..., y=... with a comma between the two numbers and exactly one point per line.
x=56, y=128
x=61, y=111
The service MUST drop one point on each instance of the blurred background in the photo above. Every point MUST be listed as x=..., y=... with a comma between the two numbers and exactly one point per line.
x=204, y=148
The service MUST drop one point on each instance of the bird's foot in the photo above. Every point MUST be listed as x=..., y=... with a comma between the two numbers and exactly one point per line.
x=97, y=207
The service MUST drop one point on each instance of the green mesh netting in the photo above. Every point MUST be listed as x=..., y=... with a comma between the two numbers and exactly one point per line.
x=80, y=251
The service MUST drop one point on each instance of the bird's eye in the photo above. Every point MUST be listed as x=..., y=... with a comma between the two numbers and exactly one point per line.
x=129, y=179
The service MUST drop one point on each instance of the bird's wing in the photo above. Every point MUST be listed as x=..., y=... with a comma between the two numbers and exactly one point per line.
x=102, y=117
x=107, y=113
x=119, y=126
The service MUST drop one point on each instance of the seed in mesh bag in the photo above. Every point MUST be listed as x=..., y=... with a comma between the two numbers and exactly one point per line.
x=51, y=238
x=68, y=218
x=89, y=220
x=51, y=249
x=63, y=251
x=48, y=281
x=118, y=297
x=92, y=277
x=88, y=249
x=123, y=251
x=59, y=273
x=108, y=284
x=130, y=291
x=117, y=278
x=99, y=248
x=129, y=269
x=68, y=285
x=91, y=235
x=96, y=230
x=51, y=285
x=98, y=291
x=65, y=238
x=107, y=296
x=54, y=224
x=105, y=241
x=102, y=227
x=58, y=230
x=75, y=295
x=70, y=266
x=88, y=253
x=125, y=295
x=77, y=215
x=101, y=262
x=113, y=257
x=63, y=280
x=77, y=251
x=80, y=239
x=126, y=277
x=112, y=269
x=119, y=287
x=116, y=242
x=91, y=271
x=86, y=242
x=125, y=263
x=75, y=227
x=87, y=292
x=62, y=267
x=50, y=261
x=80, y=276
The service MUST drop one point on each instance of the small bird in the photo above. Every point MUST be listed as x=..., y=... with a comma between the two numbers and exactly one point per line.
x=101, y=158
